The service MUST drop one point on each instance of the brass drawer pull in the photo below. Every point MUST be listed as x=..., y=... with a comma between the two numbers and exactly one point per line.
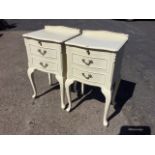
x=43, y=65
x=87, y=77
x=87, y=63
x=42, y=52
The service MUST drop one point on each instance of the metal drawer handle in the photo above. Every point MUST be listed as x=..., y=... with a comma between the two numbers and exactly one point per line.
x=87, y=77
x=42, y=52
x=87, y=63
x=43, y=65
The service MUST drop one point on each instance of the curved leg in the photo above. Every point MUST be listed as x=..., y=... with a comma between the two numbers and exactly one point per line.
x=82, y=88
x=115, y=91
x=61, y=81
x=30, y=72
x=50, y=79
x=107, y=94
x=67, y=85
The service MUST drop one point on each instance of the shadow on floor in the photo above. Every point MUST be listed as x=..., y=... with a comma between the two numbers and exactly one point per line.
x=90, y=92
x=53, y=87
x=135, y=130
x=125, y=92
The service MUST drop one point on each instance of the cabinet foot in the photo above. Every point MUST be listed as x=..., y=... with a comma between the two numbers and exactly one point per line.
x=68, y=109
x=105, y=123
x=63, y=106
x=34, y=96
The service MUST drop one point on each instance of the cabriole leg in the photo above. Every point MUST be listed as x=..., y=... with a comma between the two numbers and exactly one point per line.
x=30, y=72
x=107, y=94
x=61, y=81
x=68, y=93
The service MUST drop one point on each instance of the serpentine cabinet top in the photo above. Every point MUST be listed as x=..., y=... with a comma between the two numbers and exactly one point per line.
x=103, y=40
x=58, y=34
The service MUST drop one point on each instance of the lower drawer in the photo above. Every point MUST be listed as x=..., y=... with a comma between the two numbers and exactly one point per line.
x=90, y=62
x=89, y=77
x=44, y=65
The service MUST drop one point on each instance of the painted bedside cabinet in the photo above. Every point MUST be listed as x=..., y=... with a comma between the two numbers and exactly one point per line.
x=94, y=58
x=46, y=52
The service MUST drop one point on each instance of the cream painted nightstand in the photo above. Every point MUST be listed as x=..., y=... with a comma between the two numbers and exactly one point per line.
x=46, y=52
x=94, y=58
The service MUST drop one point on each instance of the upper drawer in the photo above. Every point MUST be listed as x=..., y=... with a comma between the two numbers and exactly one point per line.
x=43, y=52
x=88, y=53
x=90, y=62
x=44, y=44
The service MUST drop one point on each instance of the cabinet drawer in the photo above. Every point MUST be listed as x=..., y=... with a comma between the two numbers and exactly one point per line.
x=90, y=62
x=88, y=53
x=43, y=52
x=44, y=64
x=44, y=44
x=89, y=77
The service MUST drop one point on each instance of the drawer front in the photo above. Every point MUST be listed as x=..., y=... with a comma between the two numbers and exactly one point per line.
x=44, y=44
x=43, y=52
x=90, y=62
x=44, y=64
x=89, y=77
x=88, y=53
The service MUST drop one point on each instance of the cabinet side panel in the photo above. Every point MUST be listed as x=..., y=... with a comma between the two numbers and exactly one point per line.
x=111, y=68
x=61, y=60
x=69, y=62
x=28, y=50
x=118, y=66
